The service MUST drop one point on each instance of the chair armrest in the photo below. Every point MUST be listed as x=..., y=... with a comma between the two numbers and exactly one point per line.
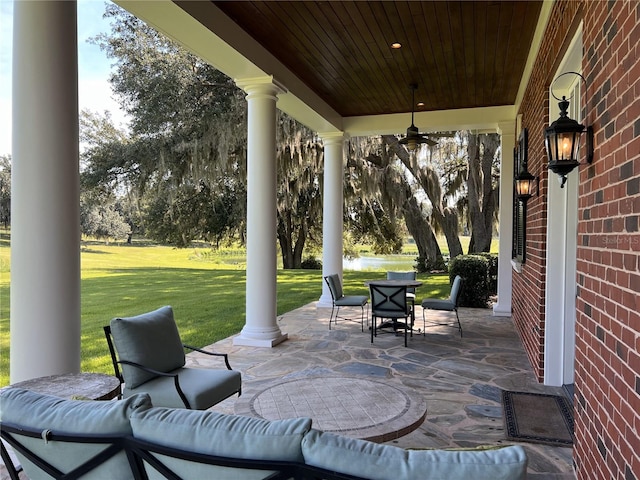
x=176, y=380
x=226, y=357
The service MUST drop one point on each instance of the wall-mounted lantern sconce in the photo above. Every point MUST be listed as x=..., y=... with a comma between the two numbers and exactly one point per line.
x=524, y=185
x=523, y=180
x=562, y=140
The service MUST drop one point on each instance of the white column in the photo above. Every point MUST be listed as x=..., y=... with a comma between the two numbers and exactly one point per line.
x=332, y=207
x=261, y=328
x=45, y=226
x=508, y=141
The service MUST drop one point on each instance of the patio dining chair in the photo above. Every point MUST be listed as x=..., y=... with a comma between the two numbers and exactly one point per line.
x=411, y=291
x=389, y=305
x=340, y=300
x=152, y=356
x=448, y=305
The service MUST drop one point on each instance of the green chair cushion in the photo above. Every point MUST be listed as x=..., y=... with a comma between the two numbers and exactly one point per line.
x=438, y=304
x=74, y=417
x=335, y=285
x=352, y=301
x=202, y=387
x=150, y=339
x=382, y=462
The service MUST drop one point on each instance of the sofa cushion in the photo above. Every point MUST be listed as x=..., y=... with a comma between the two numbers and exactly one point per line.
x=150, y=339
x=75, y=417
x=217, y=434
x=373, y=461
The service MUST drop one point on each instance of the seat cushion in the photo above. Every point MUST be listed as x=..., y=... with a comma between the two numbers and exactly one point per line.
x=217, y=434
x=437, y=304
x=335, y=285
x=150, y=339
x=76, y=417
x=352, y=301
x=382, y=462
x=203, y=387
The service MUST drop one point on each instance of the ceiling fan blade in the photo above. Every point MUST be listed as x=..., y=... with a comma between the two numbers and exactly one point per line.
x=428, y=141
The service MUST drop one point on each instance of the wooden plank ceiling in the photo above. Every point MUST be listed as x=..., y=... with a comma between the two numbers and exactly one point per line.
x=461, y=54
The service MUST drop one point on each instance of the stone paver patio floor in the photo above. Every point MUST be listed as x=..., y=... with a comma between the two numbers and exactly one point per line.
x=340, y=379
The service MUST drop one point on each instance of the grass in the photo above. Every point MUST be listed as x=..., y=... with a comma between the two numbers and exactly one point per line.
x=206, y=291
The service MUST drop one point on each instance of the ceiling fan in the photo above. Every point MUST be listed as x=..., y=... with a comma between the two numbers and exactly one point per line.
x=414, y=137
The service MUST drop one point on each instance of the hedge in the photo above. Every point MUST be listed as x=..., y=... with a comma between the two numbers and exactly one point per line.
x=474, y=270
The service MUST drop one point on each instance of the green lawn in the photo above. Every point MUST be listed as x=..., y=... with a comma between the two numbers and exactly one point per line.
x=206, y=291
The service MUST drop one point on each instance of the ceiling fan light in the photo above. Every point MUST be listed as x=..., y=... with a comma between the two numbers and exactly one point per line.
x=412, y=144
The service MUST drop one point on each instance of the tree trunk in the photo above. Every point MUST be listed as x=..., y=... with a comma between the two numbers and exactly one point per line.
x=422, y=233
x=447, y=219
x=299, y=246
x=490, y=194
x=476, y=184
x=291, y=251
x=286, y=242
x=449, y=224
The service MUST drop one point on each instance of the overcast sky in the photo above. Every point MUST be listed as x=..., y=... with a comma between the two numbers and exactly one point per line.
x=93, y=66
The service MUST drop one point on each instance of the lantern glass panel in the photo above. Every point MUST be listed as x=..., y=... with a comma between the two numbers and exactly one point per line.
x=567, y=146
x=523, y=187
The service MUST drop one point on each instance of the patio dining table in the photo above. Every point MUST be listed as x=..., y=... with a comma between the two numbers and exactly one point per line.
x=395, y=283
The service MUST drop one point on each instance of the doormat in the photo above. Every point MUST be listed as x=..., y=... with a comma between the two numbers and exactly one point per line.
x=537, y=418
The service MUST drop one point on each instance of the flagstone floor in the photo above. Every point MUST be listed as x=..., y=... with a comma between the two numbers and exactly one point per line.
x=457, y=380
x=440, y=391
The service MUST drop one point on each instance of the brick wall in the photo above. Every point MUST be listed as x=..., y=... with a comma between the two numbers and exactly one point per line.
x=608, y=322
x=607, y=364
x=529, y=286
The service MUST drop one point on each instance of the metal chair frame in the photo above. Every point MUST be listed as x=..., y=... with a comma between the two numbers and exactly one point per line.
x=390, y=302
x=349, y=301
x=449, y=305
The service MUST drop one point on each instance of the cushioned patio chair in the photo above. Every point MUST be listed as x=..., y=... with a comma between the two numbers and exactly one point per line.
x=153, y=361
x=448, y=305
x=340, y=300
x=389, y=304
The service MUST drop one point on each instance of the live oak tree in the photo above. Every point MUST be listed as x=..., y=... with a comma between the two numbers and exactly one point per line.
x=188, y=138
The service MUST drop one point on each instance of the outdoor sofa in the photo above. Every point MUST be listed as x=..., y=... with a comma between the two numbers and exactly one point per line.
x=129, y=438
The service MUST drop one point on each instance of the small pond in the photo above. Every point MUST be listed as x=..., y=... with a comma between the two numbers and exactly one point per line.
x=381, y=263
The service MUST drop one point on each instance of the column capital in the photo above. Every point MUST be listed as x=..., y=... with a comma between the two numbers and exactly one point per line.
x=333, y=138
x=261, y=86
x=507, y=127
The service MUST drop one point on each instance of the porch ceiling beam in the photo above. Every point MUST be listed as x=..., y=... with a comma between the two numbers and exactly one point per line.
x=479, y=119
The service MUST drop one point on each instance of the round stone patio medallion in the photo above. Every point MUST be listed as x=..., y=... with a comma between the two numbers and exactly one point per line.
x=359, y=408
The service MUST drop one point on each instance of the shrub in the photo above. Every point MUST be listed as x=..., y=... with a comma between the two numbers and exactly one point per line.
x=311, y=263
x=474, y=270
x=492, y=258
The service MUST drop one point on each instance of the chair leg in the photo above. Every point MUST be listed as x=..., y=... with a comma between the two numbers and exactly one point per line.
x=373, y=327
x=424, y=322
x=406, y=327
x=331, y=316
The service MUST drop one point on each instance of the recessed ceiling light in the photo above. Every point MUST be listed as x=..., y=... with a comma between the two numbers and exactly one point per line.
x=421, y=104
x=396, y=45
